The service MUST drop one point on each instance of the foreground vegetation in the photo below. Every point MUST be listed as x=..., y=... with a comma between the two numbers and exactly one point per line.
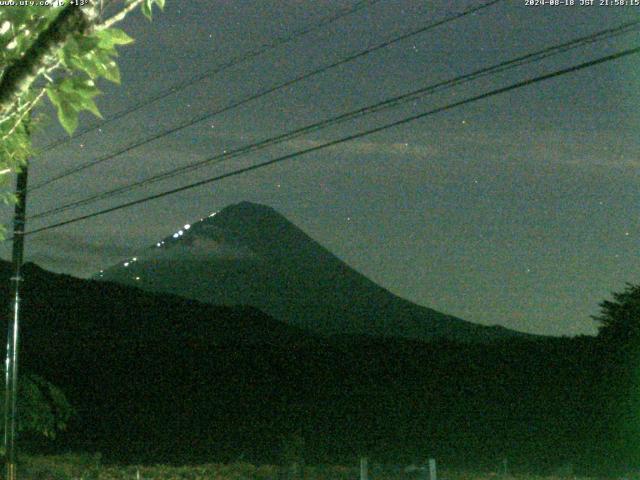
x=543, y=405
x=148, y=386
x=89, y=467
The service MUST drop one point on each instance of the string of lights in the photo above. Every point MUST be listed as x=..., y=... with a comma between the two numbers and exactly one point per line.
x=240, y=171
x=377, y=107
x=267, y=91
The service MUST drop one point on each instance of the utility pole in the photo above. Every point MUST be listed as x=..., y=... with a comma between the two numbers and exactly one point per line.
x=11, y=365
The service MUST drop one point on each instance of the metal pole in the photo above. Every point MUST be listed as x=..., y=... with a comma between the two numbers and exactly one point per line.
x=364, y=468
x=11, y=366
x=432, y=469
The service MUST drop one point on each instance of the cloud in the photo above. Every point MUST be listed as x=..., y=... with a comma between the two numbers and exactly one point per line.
x=64, y=252
x=361, y=147
x=198, y=247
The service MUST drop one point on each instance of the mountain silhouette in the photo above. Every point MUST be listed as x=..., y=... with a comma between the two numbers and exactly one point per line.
x=159, y=378
x=249, y=254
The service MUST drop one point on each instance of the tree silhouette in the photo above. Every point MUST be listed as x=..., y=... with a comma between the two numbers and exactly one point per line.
x=43, y=409
x=619, y=373
x=620, y=319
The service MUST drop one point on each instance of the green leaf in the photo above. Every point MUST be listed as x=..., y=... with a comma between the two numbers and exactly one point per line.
x=89, y=104
x=112, y=72
x=18, y=16
x=87, y=44
x=53, y=96
x=91, y=64
x=78, y=93
x=160, y=4
x=101, y=64
x=8, y=199
x=112, y=36
x=68, y=117
x=84, y=87
x=69, y=52
x=146, y=8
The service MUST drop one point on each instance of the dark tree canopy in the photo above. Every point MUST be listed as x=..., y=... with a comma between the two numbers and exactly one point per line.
x=620, y=319
x=43, y=409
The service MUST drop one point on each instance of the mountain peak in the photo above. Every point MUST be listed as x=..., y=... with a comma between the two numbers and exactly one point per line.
x=249, y=211
x=248, y=206
x=249, y=254
x=263, y=230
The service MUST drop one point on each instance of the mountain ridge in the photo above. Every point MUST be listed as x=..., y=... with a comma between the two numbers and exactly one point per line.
x=159, y=378
x=249, y=254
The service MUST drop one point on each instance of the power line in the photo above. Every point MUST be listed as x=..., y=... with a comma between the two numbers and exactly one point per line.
x=380, y=106
x=265, y=92
x=348, y=138
x=344, y=12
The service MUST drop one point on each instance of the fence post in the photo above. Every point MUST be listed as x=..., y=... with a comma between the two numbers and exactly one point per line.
x=432, y=469
x=364, y=469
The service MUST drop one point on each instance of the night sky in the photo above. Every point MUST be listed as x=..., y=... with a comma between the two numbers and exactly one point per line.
x=519, y=210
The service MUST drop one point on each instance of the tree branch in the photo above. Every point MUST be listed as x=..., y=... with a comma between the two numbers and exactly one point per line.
x=19, y=76
x=25, y=111
x=118, y=16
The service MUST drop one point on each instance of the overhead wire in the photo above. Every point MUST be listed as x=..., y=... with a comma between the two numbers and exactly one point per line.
x=377, y=107
x=263, y=93
x=240, y=171
x=341, y=13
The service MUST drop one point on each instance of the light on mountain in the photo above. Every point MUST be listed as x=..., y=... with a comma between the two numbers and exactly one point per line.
x=158, y=244
x=187, y=226
x=135, y=259
x=175, y=235
x=180, y=232
x=126, y=264
x=137, y=278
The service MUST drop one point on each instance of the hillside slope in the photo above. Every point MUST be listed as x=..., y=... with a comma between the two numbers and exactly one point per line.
x=248, y=254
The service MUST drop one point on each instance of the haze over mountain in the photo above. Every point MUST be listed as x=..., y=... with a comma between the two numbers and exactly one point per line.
x=249, y=254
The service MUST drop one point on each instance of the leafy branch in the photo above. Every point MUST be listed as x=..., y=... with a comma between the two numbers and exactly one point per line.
x=37, y=41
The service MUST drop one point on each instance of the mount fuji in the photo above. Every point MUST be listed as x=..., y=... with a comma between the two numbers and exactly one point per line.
x=249, y=254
